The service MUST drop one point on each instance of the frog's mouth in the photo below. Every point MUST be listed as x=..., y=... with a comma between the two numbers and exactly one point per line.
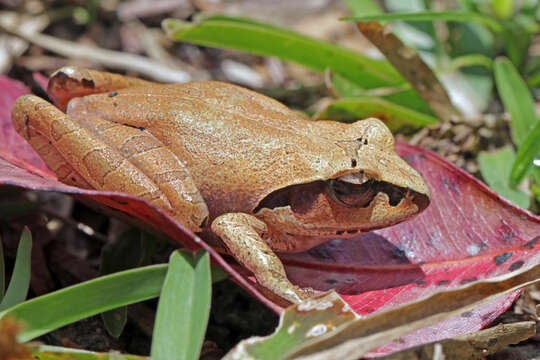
x=354, y=190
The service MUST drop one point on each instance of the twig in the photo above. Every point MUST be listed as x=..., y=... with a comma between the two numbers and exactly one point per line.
x=85, y=229
x=113, y=59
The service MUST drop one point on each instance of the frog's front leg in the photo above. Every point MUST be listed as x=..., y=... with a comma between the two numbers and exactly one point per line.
x=244, y=235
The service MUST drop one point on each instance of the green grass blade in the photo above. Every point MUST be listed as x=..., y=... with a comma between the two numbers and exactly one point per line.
x=125, y=253
x=525, y=156
x=65, y=306
x=218, y=273
x=457, y=16
x=20, y=280
x=402, y=94
x=536, y=178
x=503, y=9
x=396, y=117
x=363, y=7
x=534, y=80
x=46, y=352
x=536, y=191
x=184, y=308
x=518, y=101
x=115, y=320
x=268, y=40
x=516, y=98
x=495, y=168
x=469, y=60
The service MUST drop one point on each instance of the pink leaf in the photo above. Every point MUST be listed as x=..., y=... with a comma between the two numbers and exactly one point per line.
x=18, y=148
x=468, y=233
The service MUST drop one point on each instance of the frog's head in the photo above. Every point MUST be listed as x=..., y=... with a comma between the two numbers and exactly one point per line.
x=370, y=188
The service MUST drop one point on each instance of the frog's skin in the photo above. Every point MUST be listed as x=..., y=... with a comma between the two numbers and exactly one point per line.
x=225, y=161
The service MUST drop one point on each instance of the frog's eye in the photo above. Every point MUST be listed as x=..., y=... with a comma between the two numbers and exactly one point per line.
x=357, y=178
x=358, y=189
x=352, y=194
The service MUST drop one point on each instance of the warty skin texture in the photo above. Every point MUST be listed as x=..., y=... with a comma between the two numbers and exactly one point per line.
x=212, y=154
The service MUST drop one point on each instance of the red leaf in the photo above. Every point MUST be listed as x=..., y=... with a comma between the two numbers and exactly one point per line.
x=18, y=148
x=467, y=233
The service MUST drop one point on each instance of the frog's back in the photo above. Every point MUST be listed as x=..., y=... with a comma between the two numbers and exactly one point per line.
x=239, y=145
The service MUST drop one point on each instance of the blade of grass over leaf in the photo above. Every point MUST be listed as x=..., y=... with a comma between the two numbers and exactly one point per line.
x=457, y=16
x=268, y=40
x=527, y=152
x=402, y=94
x=20, y=280
x=396, y=117
x=184, y=307
x=407, y=61
x=495, y=168
x=86, y=299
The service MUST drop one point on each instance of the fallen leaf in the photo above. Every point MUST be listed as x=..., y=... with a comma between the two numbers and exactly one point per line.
x=355, y=339
x=323, y=328
x=468, y=233
x=18, y=147
x=472, y=346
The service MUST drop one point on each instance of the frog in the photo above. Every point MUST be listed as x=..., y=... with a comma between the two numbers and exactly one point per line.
x=230, y=164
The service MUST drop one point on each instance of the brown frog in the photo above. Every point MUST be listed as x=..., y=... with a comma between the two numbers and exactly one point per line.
x=224, y=161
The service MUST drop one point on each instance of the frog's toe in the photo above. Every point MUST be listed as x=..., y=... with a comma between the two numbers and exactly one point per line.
x=306, y=293
x=297, y=294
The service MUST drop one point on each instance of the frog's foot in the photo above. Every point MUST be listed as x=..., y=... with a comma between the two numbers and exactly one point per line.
x=286, y=289
x=70, y=82
x=306, y=292
x=243, y=235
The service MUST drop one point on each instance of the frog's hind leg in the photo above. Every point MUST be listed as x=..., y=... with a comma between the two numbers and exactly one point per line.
x=157, y=162
x=54, y=160
x=70, y=82
x=243, y=235
x=114, y=162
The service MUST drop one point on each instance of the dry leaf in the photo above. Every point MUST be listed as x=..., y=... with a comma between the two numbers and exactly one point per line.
x=407, y=61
